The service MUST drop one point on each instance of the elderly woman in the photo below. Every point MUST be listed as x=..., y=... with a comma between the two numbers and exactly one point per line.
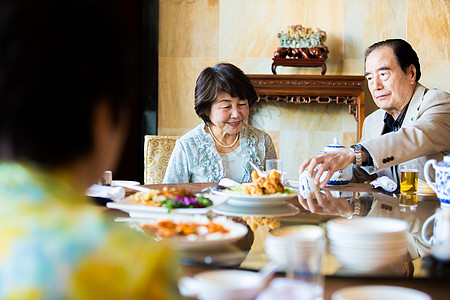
x=224, y=144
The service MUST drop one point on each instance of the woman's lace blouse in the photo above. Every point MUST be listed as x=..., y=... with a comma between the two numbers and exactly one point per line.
x=196, y=159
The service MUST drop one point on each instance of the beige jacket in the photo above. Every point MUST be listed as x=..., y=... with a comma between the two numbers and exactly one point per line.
x=425, y=134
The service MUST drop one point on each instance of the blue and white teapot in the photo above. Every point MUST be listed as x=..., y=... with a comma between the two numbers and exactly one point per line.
x=442, y=184
x=341, y=177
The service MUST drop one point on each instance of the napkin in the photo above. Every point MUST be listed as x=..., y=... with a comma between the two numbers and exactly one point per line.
x=227, y=182
x=385, y=183
x=114, y=193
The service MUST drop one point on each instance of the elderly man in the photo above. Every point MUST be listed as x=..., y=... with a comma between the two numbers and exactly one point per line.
x=412, y=124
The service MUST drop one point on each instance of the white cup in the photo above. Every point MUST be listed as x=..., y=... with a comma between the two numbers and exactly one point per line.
x=440, y=240
x=306, y=184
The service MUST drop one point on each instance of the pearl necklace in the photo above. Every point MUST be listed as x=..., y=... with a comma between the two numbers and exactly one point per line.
x=222, y=145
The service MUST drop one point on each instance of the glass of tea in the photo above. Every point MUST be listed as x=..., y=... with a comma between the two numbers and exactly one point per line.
x=409, y=178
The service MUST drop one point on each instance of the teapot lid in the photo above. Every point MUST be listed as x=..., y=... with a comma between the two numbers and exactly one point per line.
x=334, y=147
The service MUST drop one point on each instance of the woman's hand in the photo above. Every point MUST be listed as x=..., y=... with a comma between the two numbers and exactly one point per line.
x=331, y=162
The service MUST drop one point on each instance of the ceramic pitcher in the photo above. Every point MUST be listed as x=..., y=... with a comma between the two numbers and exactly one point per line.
x=341, y=177
x=442, y=184
x=440, y=240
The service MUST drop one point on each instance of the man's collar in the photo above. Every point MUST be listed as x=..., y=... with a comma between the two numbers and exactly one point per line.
x=394, y=125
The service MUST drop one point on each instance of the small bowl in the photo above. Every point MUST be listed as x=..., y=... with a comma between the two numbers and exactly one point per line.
x=223, y=285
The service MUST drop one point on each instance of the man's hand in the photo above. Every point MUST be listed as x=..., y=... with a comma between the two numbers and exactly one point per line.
x=326, y=204
x=331, y=162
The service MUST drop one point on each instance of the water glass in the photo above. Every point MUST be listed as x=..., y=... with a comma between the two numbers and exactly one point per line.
x=276, y=164
x=304, y=268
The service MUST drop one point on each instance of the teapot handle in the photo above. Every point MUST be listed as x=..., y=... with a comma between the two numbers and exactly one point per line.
x=427, y=177
x=428, y=241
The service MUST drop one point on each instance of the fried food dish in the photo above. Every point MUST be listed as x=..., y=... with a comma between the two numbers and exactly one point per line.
x=255, y=222
x=154, y=197
x=168, y=229
x=265, y=185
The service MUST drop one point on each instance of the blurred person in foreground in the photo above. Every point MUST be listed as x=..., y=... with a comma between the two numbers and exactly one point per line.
x=224, y=144
x=63, y=116
x=412, y=123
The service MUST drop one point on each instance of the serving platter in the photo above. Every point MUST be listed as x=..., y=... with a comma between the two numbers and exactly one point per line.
x=214, y=240
x=138, y=210
x=238, y=198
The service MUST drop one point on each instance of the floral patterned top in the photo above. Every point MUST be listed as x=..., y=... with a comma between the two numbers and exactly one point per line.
x=54, y=244
x=196, y=159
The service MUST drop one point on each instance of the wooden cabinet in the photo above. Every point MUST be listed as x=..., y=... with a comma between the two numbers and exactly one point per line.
x=304, y=89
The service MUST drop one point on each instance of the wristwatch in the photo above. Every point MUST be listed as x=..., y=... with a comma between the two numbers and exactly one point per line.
x=357, y=149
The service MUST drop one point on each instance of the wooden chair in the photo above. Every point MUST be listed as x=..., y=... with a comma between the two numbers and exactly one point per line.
x=157, y=151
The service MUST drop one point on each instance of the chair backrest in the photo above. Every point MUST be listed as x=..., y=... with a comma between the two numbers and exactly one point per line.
x=157, y=151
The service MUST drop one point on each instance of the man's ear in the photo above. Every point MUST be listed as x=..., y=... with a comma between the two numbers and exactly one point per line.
x=412, y=73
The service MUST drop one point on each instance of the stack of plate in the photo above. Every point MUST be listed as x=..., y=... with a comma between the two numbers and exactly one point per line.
x=367, y=244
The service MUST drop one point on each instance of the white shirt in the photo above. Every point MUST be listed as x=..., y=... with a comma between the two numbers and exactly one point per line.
x=232, y=164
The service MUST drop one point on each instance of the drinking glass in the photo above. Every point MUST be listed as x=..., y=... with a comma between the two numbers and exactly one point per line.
x=408, y=202
x=304, y=268
x=276, y=164
x=409, y=176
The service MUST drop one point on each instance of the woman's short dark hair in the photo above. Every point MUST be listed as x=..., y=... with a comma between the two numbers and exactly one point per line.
x=222, y=78
x=58, y=60
x=403, y=51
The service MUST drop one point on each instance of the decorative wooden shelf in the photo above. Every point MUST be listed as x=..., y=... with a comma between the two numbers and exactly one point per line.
x=299, y=62
x=299, y=89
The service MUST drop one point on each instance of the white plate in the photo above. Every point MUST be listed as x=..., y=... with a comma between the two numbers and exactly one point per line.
x=236, y=232
x=280, y=210
x=124, y=182
x=252, y=200
x=137, y=210
x=373, y=292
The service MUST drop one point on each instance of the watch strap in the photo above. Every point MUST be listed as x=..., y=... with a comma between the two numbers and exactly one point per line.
x=357, y=150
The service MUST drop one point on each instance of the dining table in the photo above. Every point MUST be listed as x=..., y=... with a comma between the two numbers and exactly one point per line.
x=355, y=200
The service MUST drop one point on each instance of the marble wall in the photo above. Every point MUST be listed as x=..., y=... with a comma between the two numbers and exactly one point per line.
x=194, y=34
